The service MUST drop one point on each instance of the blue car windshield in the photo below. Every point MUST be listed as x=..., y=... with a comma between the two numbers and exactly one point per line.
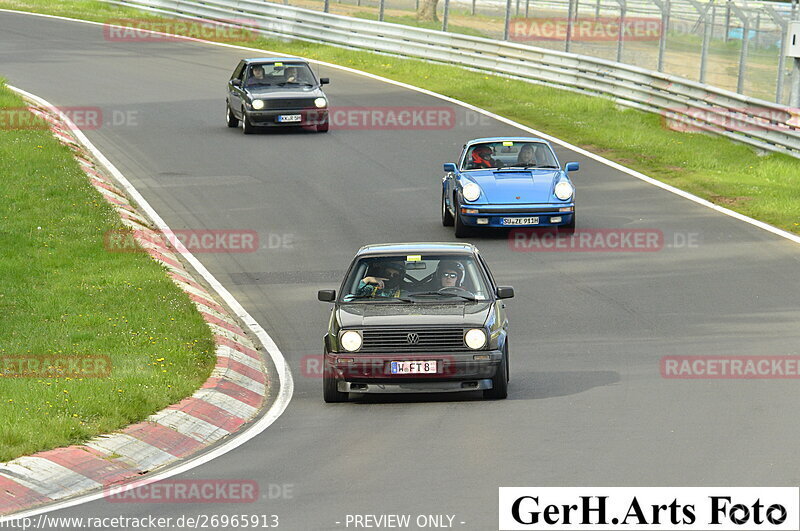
x=416, y=278
x=279, y=74
x=507, y=154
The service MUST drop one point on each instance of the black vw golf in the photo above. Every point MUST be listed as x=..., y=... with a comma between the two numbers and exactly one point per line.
x=417, y=317
x=276, y=91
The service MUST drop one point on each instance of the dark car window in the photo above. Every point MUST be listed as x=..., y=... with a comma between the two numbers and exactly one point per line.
x=418, y=277
x=281, y=74
x=239, y=71
x=505, y=154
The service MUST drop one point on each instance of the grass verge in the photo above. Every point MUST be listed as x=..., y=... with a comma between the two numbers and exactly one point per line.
x=63, y=294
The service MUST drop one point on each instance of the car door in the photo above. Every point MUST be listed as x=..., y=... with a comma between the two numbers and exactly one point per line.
x=499, y=304
x=234, y=91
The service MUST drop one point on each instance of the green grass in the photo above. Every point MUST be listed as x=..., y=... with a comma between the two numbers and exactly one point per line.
x=62, y=293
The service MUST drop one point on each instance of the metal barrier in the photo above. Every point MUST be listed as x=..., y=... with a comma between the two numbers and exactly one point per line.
x=684, y=103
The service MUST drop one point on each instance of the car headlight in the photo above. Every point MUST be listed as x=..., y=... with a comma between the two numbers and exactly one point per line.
x=351, y=341
x=471, y=191
x=320, y=103
x=258, y=104
x=475, y=338
x=564, y=190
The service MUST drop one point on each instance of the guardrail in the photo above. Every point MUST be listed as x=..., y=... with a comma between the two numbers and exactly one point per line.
x=759, y=123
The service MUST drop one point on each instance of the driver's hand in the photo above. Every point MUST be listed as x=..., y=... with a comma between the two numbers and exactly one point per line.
x=375, y=280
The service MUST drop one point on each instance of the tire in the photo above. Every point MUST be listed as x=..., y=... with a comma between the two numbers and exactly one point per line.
x=247, y=127
x=330, y=393
x=323, y=128
x=447, y=217
x=462, y=231
x=499, y=390
x=230, y=118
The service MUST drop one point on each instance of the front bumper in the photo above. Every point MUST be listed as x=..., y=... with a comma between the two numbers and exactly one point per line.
x=371, y=373
x=492, y=216
x=269, y=117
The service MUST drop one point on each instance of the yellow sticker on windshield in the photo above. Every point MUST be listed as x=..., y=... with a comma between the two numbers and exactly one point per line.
x=278, y=64
x=507, y=143
x=414, y=258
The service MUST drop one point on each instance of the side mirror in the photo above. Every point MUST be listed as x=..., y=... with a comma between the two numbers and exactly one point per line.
x=326, y=295
x=449, y=167
x=324, y=81
x=236, y=82
x=572, y=166
x=505, y=292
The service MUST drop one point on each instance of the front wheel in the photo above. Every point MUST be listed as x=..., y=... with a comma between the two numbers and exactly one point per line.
x=323, y=128
x=462, y=231
x=232, y=120
x=499, y=388
x=247, y=127
x=447, y=217
x=330, y=391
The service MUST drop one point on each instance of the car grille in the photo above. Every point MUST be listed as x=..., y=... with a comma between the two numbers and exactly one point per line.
x=289, y=104
x=397, y=340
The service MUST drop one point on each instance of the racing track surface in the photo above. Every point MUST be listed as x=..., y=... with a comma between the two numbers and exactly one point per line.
x=587, y=404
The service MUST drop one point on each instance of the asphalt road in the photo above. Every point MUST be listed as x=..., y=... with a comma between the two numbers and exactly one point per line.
x=587, y=406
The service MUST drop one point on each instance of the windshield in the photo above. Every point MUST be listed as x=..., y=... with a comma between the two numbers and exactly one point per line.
x=416, y=278
x=506, y=154
x=279, y=74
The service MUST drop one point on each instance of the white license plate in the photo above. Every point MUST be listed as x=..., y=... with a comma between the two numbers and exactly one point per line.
x=521, y=221
x=413, y=367
x=289, y=118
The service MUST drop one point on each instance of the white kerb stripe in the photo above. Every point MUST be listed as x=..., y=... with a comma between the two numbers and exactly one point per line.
x=48, y=478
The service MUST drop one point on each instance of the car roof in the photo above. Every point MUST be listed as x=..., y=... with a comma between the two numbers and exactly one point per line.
x=273, y=59
x=507, y=138
x=417, y=248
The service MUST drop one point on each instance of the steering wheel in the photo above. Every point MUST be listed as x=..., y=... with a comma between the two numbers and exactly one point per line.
x=451, y=289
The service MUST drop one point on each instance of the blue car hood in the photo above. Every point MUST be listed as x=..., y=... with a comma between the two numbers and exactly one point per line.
x=515, y=186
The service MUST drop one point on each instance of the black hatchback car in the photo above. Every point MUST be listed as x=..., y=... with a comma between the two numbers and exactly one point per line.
x=417, y=317
x=276, y=91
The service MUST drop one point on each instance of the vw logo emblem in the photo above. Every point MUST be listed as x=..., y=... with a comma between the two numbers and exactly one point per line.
x=412, y=338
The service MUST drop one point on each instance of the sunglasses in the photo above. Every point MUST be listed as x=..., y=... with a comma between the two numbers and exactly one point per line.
x=450, y=275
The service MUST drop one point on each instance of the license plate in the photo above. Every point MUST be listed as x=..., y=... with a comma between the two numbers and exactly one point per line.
x=413, y=367
x=521, y=221
x=289, y=118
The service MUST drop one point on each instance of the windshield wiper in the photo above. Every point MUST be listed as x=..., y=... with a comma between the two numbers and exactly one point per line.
x=445, y=294
x=349, y=298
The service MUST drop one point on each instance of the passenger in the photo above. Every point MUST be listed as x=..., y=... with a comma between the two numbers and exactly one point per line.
x=292, y=75
x=256, y=75
x=450, y=274
x=384, y=281
x=527, y=156
x=481, y=157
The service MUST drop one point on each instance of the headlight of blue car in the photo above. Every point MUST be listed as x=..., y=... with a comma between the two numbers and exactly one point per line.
x=564, y=190
x=471, y=192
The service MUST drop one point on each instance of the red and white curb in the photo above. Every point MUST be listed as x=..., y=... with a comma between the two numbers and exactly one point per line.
x=232, y=396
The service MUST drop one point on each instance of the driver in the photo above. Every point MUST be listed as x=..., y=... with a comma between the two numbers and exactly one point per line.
x=384, y=280
x=450, y=274
x=481, y=157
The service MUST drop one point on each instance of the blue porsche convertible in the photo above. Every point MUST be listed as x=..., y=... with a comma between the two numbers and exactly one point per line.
x=508, y=182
